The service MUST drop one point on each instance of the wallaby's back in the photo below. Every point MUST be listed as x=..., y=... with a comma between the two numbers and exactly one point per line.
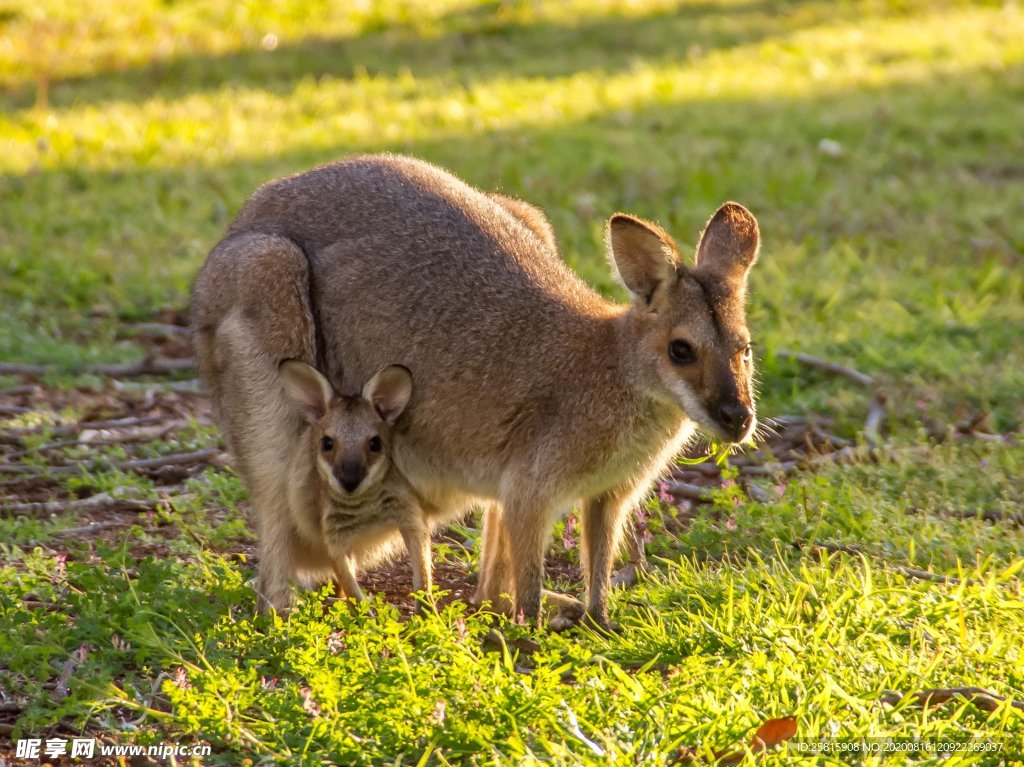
x=411, y=265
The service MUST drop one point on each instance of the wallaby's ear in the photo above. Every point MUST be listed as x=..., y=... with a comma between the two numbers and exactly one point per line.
x=728, y=246
x=389, y=391
x=644, y=254
x=307, y=388
x=530, y=215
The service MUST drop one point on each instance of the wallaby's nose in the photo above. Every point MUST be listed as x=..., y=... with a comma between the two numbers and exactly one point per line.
x=350, y=474
x=735, y=417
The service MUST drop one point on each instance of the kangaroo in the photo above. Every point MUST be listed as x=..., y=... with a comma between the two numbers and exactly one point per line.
x=317, y=464
x=533, y=391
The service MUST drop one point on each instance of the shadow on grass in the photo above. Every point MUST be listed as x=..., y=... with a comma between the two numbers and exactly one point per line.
x=475, y=44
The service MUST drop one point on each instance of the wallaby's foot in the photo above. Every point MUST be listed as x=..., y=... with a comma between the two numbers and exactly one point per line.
x=600, y=623
x=564, y=611
x=273, y=594
x=565, y=618
x=280, y=603
x=495, y=641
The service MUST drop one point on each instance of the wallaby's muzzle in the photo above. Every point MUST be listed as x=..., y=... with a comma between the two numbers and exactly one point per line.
x=350, y=475
x=735, y=419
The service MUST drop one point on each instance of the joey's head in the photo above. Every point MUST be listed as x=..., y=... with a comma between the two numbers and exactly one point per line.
x=349, y=435
x=689, y=321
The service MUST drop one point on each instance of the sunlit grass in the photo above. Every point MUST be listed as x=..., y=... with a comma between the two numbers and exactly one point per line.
x=879, y=145
x=236, y=121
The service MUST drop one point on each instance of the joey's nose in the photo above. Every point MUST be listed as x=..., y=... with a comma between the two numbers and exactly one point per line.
x=350, y=474
x=735, y=417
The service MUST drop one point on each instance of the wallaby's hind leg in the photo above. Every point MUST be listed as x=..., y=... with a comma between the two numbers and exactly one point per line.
x=528, y=521
x=273, y=589
x=495, y=583
x=602, y=521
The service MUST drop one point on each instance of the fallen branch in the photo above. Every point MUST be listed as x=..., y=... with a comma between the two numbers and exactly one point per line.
x=910, y=572
x=831, y=367
x=686, y=490
x=983, y=699
x=146, y=366
x=759, y=494
x=136, y=436
x=158, y=329
x=96, y=503
x=176, y=459
x=18, y=369
x=35, y=604
x=14, y=391
x=996, y=515
x=143, y=464
x=95, y=527
x=876, y=418
x=67, y=669
x=64, y=430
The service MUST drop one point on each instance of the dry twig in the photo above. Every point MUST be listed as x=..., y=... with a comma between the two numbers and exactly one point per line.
x=910, y=572
x=983, y=699
x=831, y=367
x=93, y=504
x=140, y=465
x=145, y=367
x=687, y=490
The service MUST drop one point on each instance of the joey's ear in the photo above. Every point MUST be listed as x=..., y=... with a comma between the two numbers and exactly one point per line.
x=644, y=254
x=389, y=391
x=728, y=246
x=306, y=388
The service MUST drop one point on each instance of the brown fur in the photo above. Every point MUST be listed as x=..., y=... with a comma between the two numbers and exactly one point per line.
x=532, y=391
x=251, y=312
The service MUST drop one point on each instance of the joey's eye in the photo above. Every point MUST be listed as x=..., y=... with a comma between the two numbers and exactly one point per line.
x=681, y=353
x=327, y=444
x=375, y=445
x=748, y=353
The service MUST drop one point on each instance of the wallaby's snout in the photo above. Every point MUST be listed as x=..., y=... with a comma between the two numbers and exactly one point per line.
x=736, y=419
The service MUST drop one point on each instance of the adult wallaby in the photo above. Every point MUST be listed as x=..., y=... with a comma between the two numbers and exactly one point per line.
x=532, y=391
x=317, y=463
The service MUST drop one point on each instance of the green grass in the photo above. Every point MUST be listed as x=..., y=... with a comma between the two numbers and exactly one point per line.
x=131, y=133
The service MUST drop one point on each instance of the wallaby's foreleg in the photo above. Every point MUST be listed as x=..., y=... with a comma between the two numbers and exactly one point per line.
x=417, y=542
x=602, y=521
x=345, y=574
x=496, y=584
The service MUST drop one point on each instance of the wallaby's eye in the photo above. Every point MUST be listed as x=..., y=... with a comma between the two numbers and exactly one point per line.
x=375, y=445
x=327, y=444
x=748, y=353
x=681, y=353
